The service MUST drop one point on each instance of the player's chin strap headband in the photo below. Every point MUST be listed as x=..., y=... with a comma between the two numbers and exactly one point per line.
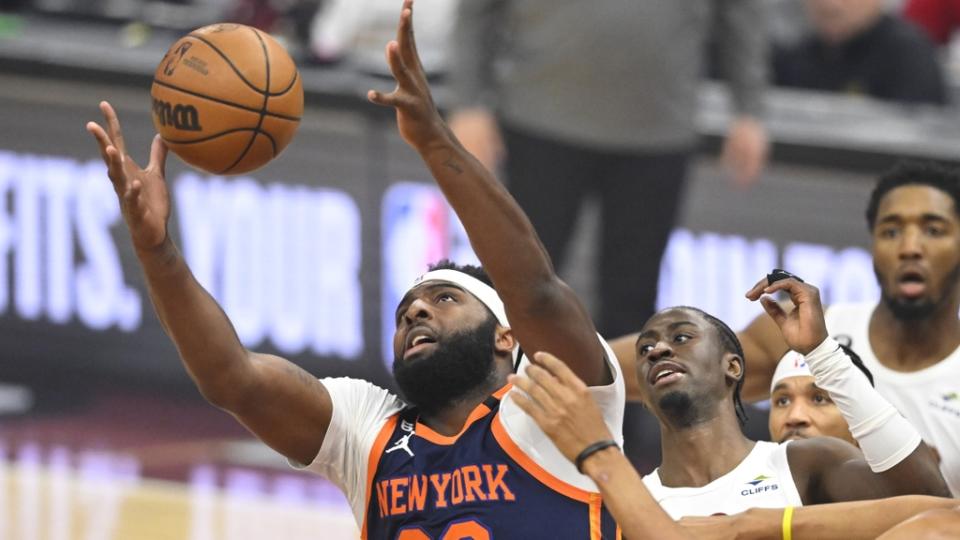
x=481, y=291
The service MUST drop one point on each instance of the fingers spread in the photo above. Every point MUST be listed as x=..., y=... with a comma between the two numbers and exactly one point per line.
x=399, y=67
x=158, y=155
x=388, y=100
x=406, y=36
x=103, y=141
x=113, y=126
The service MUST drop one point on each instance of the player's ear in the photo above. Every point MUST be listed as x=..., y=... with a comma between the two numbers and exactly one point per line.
x=733, y=367
x=503, y=340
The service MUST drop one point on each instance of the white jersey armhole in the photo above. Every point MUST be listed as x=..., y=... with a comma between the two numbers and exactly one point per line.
x=360, y=410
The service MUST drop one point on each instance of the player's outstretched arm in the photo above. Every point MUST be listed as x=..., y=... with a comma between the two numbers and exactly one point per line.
x=279, y=402
x=543, y=311
x=858, y=520
x=894, y=460
x=560, y=403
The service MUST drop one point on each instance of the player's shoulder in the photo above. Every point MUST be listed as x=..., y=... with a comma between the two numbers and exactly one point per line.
x=352, y=384
x=359, y=391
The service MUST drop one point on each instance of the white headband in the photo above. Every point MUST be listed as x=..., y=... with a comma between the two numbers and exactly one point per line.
x=792, y=364
x=483, y=292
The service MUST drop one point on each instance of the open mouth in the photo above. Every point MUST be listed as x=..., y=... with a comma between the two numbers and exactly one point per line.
x=911, y=284
x=419, y=339
x=664, y=373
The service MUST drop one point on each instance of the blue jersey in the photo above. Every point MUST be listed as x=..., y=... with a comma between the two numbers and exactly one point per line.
x=477, y=485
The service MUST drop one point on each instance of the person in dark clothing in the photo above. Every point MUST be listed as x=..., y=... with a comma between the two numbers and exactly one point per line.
x=856, y=48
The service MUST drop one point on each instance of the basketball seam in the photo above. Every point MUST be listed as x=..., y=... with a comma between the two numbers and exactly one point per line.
x=289, y=87
x=263, y=108
x=239, y=74
x=230, y=63
x=225, y=102
x=220, y=134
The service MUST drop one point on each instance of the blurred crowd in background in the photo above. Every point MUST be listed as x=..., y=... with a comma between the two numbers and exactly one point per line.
x=901, y=50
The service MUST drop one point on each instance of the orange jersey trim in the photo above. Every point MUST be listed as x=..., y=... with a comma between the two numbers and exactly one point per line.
x=479, y=412
x=379, y=444
x=535, y=470
x=596, y=518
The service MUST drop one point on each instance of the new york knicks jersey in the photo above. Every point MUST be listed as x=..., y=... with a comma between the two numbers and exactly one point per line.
x=762, y=480
x=501, y=473
x=928, y=398
x=476, y=485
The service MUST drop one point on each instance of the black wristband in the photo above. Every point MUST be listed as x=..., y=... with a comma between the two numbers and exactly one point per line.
x=591, y=450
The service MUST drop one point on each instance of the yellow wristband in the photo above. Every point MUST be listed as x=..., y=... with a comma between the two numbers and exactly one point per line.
x=788, y=523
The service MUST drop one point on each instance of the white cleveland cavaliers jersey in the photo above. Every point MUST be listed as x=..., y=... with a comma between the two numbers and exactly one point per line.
x=761, y=480
x=929, y=398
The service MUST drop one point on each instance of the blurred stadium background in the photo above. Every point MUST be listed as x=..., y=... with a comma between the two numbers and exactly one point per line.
x=102, y=435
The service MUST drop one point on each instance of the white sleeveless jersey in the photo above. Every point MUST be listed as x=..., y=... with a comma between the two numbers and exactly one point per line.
x=929, y=398
x=761, y=480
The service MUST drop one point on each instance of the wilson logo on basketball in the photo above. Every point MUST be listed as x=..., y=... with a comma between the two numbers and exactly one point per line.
x=183, y=117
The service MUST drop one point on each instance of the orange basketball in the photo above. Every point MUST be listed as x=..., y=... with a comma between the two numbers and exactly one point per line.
x=227, y=98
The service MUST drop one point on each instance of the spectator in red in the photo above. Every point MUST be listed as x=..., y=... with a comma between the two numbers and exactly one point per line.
x=940, y=18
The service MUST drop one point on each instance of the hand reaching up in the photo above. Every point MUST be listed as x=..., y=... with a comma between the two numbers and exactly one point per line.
x=144, y=201
x=419, y=121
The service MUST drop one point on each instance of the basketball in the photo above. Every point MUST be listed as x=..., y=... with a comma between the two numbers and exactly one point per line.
x=227, y=98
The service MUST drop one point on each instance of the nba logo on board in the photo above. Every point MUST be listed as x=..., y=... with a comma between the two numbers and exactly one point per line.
x=418, y=228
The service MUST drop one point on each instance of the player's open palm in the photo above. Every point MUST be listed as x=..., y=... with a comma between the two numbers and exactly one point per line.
x=802, y=325
x=417, y=116
x=142, y=193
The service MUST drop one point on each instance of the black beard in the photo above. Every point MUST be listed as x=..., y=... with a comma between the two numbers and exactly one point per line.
x=459, y=365
x=921, y=308
x=678, y=407
x=910, y=310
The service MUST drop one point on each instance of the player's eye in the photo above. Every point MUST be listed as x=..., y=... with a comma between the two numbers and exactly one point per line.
x=781, y=401
x=889, y=232
x=681, y=338
x=445, y=297
x=644, y=349
x=821, y=399
x=935, y=231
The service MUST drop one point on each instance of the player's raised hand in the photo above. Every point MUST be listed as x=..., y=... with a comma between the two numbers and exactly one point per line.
x=142, y=193
x=560, y=403
x=803, y=327
x=417, y=117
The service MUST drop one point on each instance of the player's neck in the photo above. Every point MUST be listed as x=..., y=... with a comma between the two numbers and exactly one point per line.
x=450, y=420
x=911, y=345
x=696, y=455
